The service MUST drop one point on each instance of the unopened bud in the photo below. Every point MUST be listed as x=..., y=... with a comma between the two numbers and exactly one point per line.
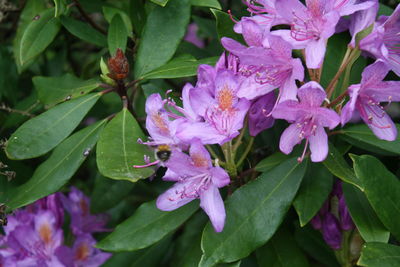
x=118, y=66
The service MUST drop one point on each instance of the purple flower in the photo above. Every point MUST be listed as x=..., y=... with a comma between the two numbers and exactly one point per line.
x=191, y=36
x=220, y=112
x=258, y=114
x=267, y=67
x=361, y=20
x=82, y=254
x=366, y=98
x=78, y=205
x=331, y=231
x=53, y=203
x=195, y=177
x=307, y=120
x=384, y=41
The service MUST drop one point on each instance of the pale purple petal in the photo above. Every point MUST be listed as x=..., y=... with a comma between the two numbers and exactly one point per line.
x=258, y=112
x=187, y=106
x=327, y=118
x=315, y=53
x=289, y=110
x=252, y=32
x=349, y=6
x=289, y=138
x=287, y=36
x=374, y=74
x=200, y=99
x=201, y=130
x=288, y=91
x=348, y=109
x=380, y=123
x=250, y=89
x=311, y=94
x=173, y=198
x=199, y=155
x=385, y=91
x=318, y=145
x=181, y=163
x=205, y=78
x=237, y=118
x=362, y=20
x=220, y=177
x=212, y=203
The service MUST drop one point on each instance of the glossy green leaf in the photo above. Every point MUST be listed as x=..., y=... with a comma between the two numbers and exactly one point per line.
x=281, y=251
x=253, y=213
x=206, y=3
x=84, y=31
x=364, y=217
x=311, y=241
x=179, y=68
x=160, y=2
x=60, y=7
x=162, y=33
x=145, y=227
x=225, y=25
x=117, y=35
x=107, y=193
x=118, y=149
x=42, y=133
x=53, y=90
x=38, y=35
x=379, y=255
x=361, y=136
x=384, y=10
x=382, y=189
x=336, y=164
x=110, y=12
x=52, y=174
x=137, y=15
x=271, y=161
x=149, y=257
x=314, y=190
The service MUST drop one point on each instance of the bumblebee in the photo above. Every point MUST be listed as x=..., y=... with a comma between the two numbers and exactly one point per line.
x=3, y=217
x=163, y=152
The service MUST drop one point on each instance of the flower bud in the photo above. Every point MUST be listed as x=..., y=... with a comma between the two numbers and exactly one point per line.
x=331, y=231
x=118, y=66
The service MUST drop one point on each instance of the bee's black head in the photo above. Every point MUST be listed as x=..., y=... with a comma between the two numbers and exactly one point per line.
x=163, y=155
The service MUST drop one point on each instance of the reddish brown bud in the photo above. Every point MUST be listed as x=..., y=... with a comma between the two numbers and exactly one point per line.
x=118, y=66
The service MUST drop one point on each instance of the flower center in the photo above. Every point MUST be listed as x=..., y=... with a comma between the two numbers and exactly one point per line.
x=199, y=160
x=274, y=75
x=304, y=28
x=45, y=233
x=225, y=98
x=160, y=122
x=82, y=253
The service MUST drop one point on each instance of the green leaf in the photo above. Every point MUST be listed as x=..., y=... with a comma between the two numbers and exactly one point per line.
x=382, y=189
x=271, y=161
x=145, y=227
x=137, y=15
x=379, y=255
x=225, y=25
x=110, y=12
x=149, y=257
x=361, y=136
x=160, y=2
x=32, y=9
x=117, y=35
x=206, y=3
x=253, y=212
x=52, y=174
x=42, y=133
x=118, y=149
x=53, y=90
x=164, y=29
x=336, y=164
x=314, y=190
x=108, y=193
x=179, y=68
x=280, y=251
x=311, y=241
x=364, y=217
x=60, y=7
x=38, y=35
x=84, y=31
x=384, y=10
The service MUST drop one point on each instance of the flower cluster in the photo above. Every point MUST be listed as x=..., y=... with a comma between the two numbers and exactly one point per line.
x=333, y=218
x=34, y=236
x=262, y=81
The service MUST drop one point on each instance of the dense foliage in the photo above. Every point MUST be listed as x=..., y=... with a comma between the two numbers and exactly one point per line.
x=204, y=133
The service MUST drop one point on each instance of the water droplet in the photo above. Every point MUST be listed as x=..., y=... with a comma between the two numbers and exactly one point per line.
x=86, y=152
x=68, y=98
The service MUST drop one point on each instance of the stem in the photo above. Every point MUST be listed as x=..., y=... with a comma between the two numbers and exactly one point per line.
x=332, y=84
x=11, y=110
x=337, y=99
x=247, y=150
x=88, y=18
x=239, y=138
x=230, y=165
x=212, y=152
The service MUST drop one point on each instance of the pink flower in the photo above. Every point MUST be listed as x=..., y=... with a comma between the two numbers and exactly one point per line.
x=307, y=120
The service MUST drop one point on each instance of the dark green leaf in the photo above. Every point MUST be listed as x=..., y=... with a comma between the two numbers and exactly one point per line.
x=137, y=15
x=314, y=190
x=160, y=2
x=206, y=3
x=311, y=241
x=179, y=68
x=361, y=136
x=164, y=29
x=384, y=10
x=117, y=35
x=281, y=251
x=84, y=31
x=379, y=255
x=118, y=149
x=53, y=90
x=60, y=7
x=52, y=174
x=40, y=32
x=271, y=161
x=253, y=213
x=336, y=164
x=110, y=12
x=368, y=224
x=225, y=25
x=107, y=193
x=145, y=227
x=42, y=133
x=382, y=189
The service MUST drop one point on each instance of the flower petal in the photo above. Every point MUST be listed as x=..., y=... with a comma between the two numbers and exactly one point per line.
x=212, y=203
x=348, y=109
x=315, y=53
x=289, y=110
x=220, y=177
x=318, y=145
x=379, y=122
x=327, y=118
x=374, y=74
x=199, y=155
x=201, y=130
x=289, y=138
x=173, y=198
x=311, y=94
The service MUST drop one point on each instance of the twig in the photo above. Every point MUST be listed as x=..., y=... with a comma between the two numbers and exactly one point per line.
x=244, y=155
x=11, y=110
x=88, y=18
